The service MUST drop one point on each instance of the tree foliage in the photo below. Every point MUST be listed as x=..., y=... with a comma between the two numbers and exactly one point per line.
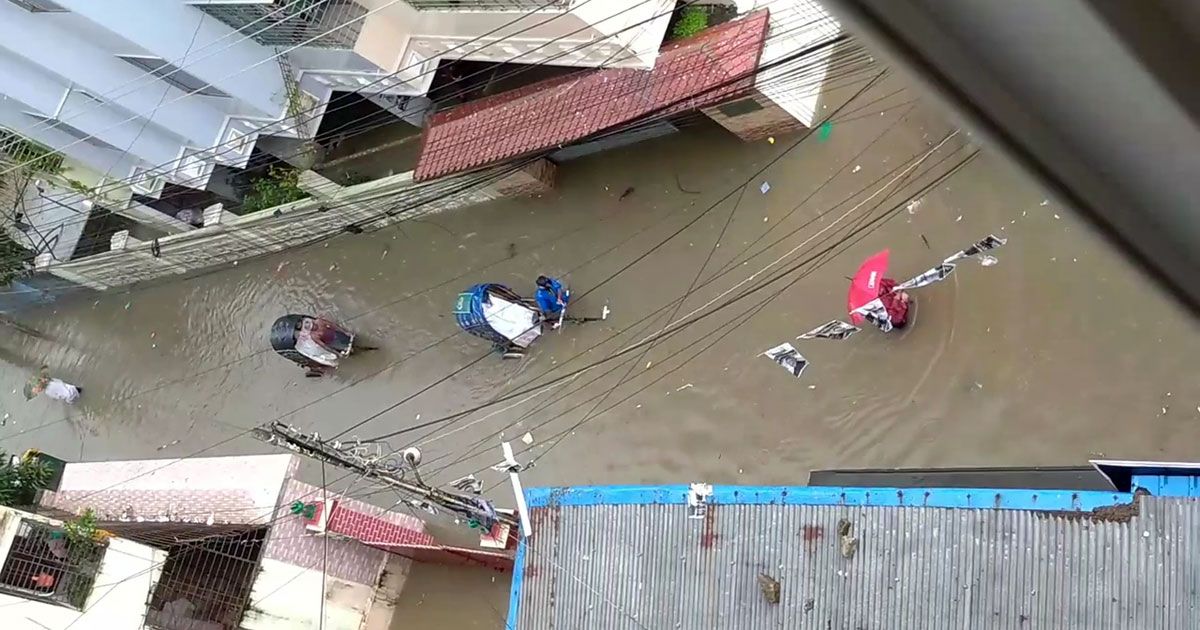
x=18, y=482
x=692, y=20
x=280, y=185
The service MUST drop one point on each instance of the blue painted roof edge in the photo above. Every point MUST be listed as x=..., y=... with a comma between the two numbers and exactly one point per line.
x=514, y=594
x=962, y=498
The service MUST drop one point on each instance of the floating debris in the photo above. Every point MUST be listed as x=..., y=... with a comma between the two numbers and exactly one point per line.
x=527, y=438
x=824, y=131
x=856, y=169
x=988, y=261
x=167, y=445
x=770, y=139
x=769, y=587
x=683, y=387
x=1045, y=202
x=847, y=542
x=764, y=188
x=958, y=219
x=913, y=205
x=788, y=358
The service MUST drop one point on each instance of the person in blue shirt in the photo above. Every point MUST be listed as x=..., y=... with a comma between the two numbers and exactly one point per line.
x=552, y=297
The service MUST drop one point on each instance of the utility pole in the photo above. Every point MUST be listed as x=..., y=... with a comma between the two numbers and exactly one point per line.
x=378, y=462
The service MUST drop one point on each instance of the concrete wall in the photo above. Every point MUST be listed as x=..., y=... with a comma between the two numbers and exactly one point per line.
x=85, y=55
x=624, y=32
x=118, y=601
x=210, y=490
x=172, y=30
x=291, y=225
x=288, y=597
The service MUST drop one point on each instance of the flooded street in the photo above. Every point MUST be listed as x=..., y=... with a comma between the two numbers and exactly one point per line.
x=1060, y=352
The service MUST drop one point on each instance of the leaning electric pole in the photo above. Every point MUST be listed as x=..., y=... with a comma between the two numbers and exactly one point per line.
x=378, y=462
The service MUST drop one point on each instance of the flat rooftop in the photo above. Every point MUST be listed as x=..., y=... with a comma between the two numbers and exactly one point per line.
x=880, y=558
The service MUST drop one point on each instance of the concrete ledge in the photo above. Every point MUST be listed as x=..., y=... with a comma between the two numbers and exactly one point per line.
x=754, y=117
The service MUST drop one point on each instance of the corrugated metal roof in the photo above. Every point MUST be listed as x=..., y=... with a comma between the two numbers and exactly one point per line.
x=647, y=566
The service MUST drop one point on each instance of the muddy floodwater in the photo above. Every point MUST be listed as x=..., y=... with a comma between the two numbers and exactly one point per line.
x=1059, y=352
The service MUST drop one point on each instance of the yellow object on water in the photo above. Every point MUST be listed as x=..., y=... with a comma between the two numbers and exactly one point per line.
x=771, y=139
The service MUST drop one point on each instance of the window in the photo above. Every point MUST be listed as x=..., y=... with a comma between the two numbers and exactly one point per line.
x=43, y=563
x=78, y=134
x=314, y=23
x=39, y=6
x=169, y=73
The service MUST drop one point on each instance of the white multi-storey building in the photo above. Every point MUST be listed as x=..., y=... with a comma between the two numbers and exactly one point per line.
x=164, y=91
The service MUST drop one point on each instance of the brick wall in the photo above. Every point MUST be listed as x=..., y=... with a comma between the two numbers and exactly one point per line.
x=297, y=223
x=753, y=117
x=372, y=530
x=289, y=542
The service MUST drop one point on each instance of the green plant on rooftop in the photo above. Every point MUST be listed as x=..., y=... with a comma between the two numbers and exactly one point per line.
x=692, y=20
x=280, y=185
x=20, y=480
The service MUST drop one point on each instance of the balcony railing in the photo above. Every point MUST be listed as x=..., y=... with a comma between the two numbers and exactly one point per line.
x=328, y=23
x=44, y=564
x=488, y=5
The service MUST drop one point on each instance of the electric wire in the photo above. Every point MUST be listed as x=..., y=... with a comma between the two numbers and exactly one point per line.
x=482, y=440
x=737, y=78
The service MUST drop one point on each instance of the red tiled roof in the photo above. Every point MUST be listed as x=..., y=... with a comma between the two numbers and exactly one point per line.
x=688, y=74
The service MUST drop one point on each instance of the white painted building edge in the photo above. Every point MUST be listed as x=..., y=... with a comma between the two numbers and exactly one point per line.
x=794, y=26
x=118, y=601
x=286, y=597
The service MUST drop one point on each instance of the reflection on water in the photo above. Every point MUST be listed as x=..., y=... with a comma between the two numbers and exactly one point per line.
x=1058, y=353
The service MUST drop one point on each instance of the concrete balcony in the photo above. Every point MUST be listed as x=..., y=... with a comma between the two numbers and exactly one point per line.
x=487, y=5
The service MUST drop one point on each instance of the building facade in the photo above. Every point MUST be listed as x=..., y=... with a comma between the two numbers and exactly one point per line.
x=169, y=92
x=239, y=542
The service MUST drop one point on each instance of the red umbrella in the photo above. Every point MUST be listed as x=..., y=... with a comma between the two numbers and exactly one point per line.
x=864, y=287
